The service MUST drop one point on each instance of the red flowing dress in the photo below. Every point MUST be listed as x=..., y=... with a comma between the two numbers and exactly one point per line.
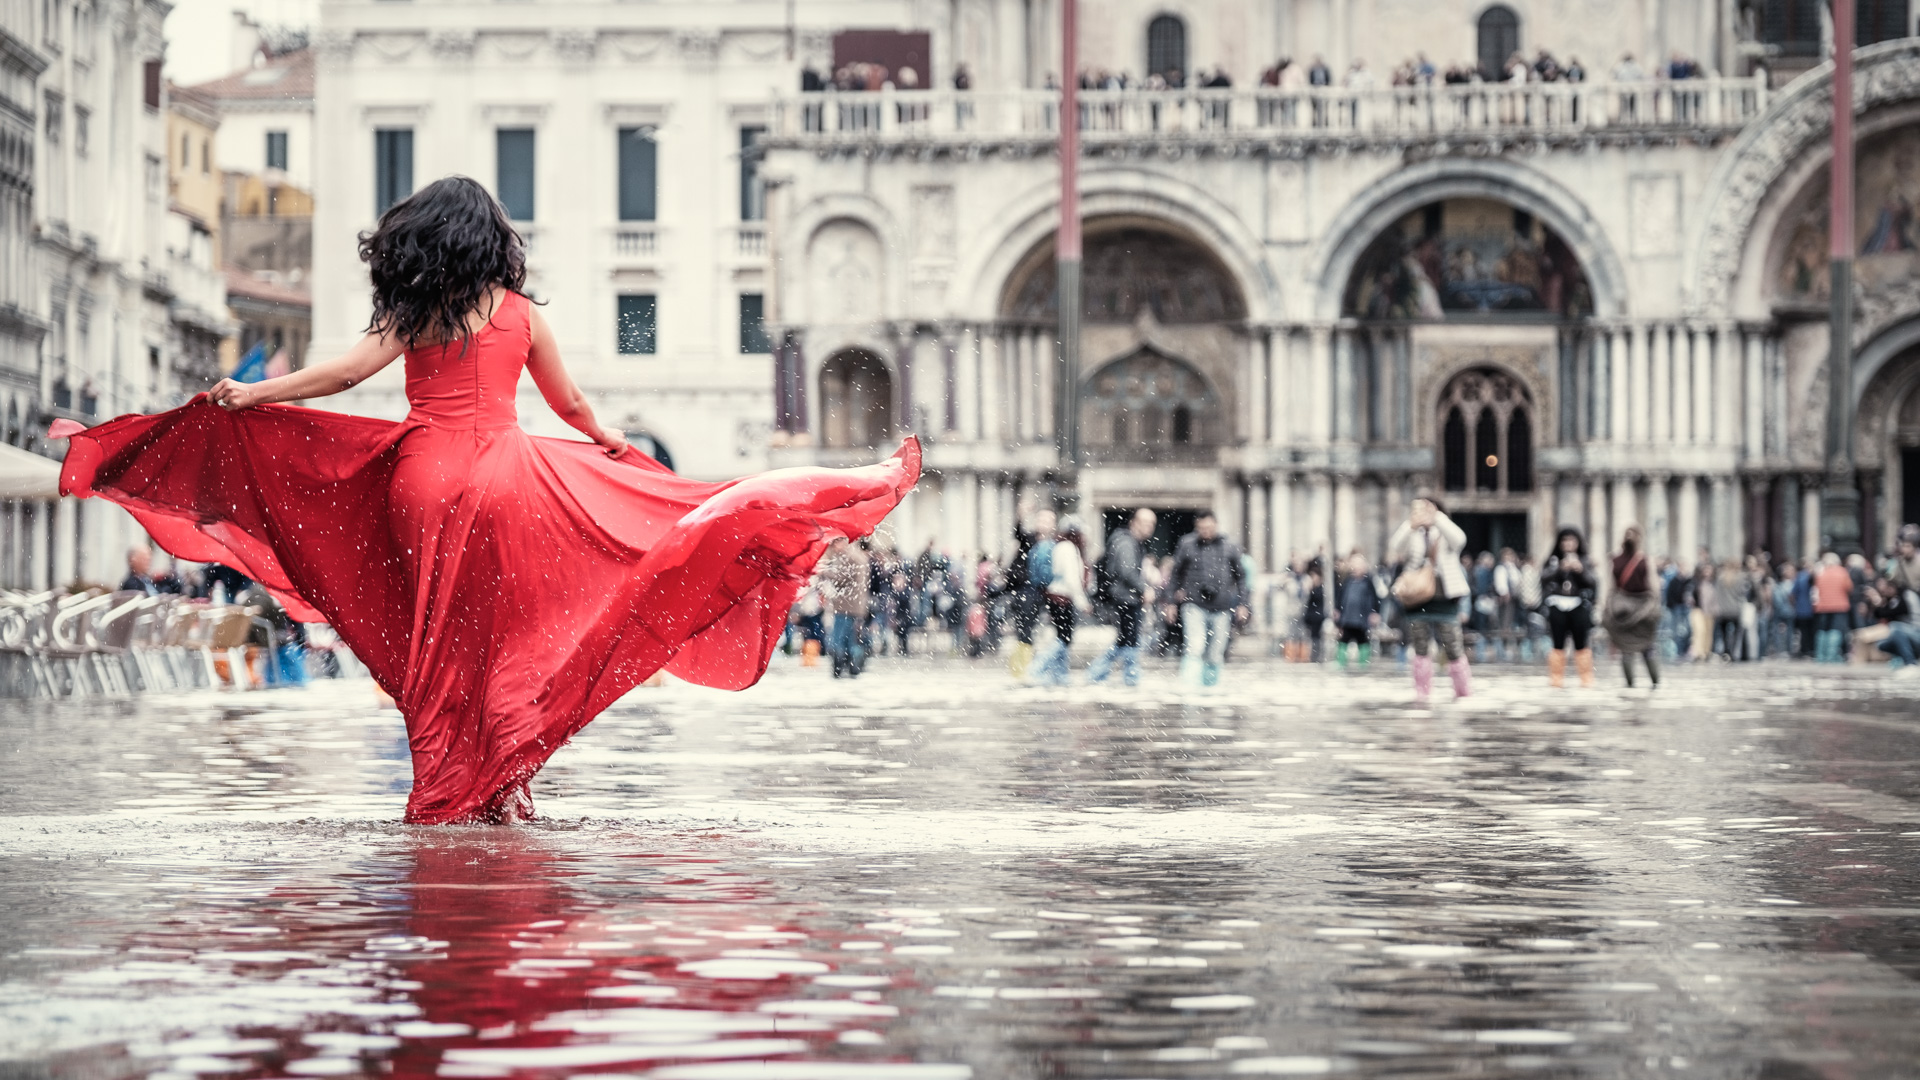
x=503, y=588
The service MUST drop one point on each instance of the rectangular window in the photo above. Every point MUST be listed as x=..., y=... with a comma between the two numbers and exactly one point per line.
x=753, y=193
x=55, y=105
x=206, y=157
x=753, y=325
x=639, y=164
x=150, y=72
x=277, y=150
x=392, y=167
x=639, y=328
x=513, y=159
x=82, y=122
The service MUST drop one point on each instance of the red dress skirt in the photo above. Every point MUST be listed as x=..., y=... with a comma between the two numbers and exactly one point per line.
x=504, y=588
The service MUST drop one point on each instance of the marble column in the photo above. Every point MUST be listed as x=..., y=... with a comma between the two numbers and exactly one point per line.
x=1810, y=518
x=1619, y=362
x=1597, y=524
x=1254, y=418
x=1280, y=378
x=1625, y=511
x=1754, y=396
x=1543, y=515
x=991, y=378
x=1639, y=386
x=1682, y=358
x=1659, y=527
x=1720, y=539
x=1686, y=541
x=1346, y=517
x=1319, y=419
x=1727, y=374
x=1346, y=406
x=1285, y=511
x=1319, y=538
x=1660, y=396
x=1046, y=366
x=1702, y=387
x=1258, y=523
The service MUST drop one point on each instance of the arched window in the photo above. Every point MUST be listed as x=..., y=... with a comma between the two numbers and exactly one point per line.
x=1167, y=48
x=1498, y=410
x=1453, y=452
x=1499, y=39
x=856, y=395
x=1153, y=405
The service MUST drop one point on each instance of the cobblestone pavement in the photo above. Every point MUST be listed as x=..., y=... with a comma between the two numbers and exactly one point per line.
x=930, y=873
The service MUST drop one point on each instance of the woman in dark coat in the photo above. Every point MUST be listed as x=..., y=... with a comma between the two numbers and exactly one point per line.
x=1568, y=587
x=1633, y=609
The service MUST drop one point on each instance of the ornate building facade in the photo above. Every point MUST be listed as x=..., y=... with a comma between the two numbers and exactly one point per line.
x=1587, y=302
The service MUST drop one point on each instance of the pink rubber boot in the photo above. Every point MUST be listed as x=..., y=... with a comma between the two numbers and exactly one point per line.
x=1422, y=679
x=1462, y=678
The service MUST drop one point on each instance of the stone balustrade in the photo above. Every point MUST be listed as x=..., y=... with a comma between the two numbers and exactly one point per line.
x=1394, y=114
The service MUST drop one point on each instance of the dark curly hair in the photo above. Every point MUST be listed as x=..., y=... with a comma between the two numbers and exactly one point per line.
x=435, y=255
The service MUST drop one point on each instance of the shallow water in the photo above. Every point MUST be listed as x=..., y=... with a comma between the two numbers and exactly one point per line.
x=929, y=874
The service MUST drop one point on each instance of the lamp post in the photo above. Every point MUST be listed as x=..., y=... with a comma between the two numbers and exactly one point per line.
x=1840, y=497
x=1067, y=245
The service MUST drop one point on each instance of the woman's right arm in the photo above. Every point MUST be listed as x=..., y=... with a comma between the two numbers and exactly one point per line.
x=358, y=364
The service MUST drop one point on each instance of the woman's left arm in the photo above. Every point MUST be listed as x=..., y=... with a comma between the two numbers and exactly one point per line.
x=562, y=393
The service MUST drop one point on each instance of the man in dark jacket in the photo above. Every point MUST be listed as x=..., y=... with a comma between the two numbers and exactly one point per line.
x=1128, y=592
x=1209, y=585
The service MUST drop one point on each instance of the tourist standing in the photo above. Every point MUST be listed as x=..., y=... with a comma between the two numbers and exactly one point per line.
x=1207, y=585
x=1731, y=592
x=1127, y=590
x=1570, y=588
x=1430, y=589
x=847, y=591
x=1832, y=604
x=1027, y=584
x=1359, y=611
x=1633, y=607
x=1066, y=598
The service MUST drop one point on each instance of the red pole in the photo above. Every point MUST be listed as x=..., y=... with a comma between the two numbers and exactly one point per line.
x=1840, y=498
x=1068, y=245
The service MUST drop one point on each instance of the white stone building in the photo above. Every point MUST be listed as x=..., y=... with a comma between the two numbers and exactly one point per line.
x=1584, y=303
x=92, y=322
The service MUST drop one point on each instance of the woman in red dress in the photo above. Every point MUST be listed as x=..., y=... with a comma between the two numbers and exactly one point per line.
x=503, y=588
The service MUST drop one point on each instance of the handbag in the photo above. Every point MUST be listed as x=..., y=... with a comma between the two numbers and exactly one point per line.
x=1416, y=586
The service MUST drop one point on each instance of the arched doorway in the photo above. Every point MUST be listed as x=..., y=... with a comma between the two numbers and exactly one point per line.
x=1149, y=407
x=1163, y=341
x=1498, y=34
x=1485, y=453
x=1167, y=48
x=856, y=397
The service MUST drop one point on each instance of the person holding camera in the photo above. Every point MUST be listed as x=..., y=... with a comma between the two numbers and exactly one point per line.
x=1430, y=588
x=1208, y=586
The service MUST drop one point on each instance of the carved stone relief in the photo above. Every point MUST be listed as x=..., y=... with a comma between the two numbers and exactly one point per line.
x=846, y=263
x=637, y=45
x=394, y=48
x=933, y=227
x=1653, y=201
x=512, y=47
x=574, y=46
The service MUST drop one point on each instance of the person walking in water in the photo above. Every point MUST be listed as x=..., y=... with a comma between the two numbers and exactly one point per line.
x=1359, y=612
x=1633, y=607
x=1123, y=572
x=1066, y=599
x=1569, y=588
x=503, y=588
x=846, y=587
x=1207, y=585
x=1430, y=588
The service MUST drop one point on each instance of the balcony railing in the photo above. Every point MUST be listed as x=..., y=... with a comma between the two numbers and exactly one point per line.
x=636, y=241
x=1390, y=113
x=750, y=242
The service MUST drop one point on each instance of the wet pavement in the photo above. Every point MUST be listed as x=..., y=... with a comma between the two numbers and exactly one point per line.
x=931, y=874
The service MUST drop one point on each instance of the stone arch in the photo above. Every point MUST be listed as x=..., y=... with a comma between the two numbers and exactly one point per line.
x=1367, y=217
x=808, y=221
x=856, y=400
x=1131, y=265
x=1117, y=192
x=1886, y=436
x=1726, y=255
x=1488, y=427
x=1149, y=406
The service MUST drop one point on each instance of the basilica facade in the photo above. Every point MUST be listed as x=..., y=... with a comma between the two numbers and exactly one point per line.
x=794, y=235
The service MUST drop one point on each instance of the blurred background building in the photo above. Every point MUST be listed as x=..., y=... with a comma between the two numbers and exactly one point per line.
x=1562, y=262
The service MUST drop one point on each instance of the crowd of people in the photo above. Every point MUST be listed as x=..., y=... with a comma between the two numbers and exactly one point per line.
x=1288, y=73
x=1428, y=601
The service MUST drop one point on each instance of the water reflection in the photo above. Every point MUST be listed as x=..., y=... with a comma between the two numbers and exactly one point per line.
x=932, y=877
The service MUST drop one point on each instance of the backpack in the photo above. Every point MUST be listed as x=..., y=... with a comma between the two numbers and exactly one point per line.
x=1040, y=564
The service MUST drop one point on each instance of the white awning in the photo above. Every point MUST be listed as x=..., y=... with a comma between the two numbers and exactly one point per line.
x=26, y=475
